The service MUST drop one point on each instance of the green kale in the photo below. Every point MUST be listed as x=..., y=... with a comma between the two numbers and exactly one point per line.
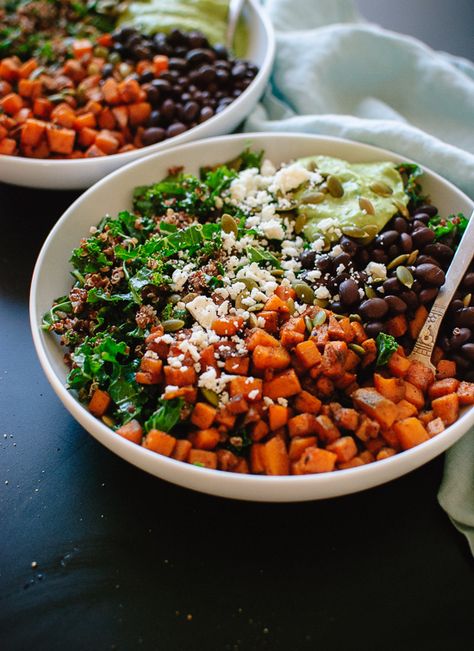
x=166, y=416
x=386, y=346
x=454, y=225
x=410, y=173
x=96, y=360
x=62, y=304
x=89, y=257
x=258, y=255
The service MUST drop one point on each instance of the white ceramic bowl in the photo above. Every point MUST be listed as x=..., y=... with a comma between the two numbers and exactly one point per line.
x=82, y=173
x=51, y=279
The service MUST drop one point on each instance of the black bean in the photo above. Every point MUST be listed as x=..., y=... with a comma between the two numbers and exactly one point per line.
x=239, y=70
x=349, y=292
x=393, y=252
x=439, y=251
x=422, y=236
x=428, y=295
x=428, y=209
x=146, y=77
x=337, y=307
x=197, y=56
x=175, y=129
x=203, y=75
x=373, y=329
x=400, y=224
x=176, y=63
x=392, y=286
x=373, y=308
x=168, y=109
x=347, y=245
x=431, y=274
x=422, y=259
x=417, y=224
x=155, y=119
x=459, y=337
x=422, y=217
x=461, y=362
x=396, y=305
x=406, y=243
x=205, y=113
x=468, y=351
x=386, y=239
x=141, y=52
x=177, y=37
x=190, y=110
x=153, y=135
x=410, y=298
x=362, y=257
x=465, y=317
x=324, y=263
x=221, y=51
x=153, y=95
x=468, y=281
x=307, y=259
x=122, y=34
x=162, y=85
x=197, y=39
x=379, y=255
x=342, y=258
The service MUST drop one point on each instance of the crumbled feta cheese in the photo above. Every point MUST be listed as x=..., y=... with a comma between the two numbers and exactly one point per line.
x=273, y=229
x=376, y=271
x=203, y=309
x=290, y=177
x=322, y=293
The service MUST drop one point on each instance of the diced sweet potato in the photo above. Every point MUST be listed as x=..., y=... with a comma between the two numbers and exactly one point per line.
x=465, y=393
x=426, y=416
x=418, y=322
x=203, y=415
x=334, y=358
x=227, y=326
x=283, y=385
x=392, y=388
x=61, y=141
x=405, y=409
x=306, y=402
x=302, y=425
x=410, y=432
x=259, y=430
x=159, y=442
x=225, y=418
x=202, y=458
x=285, y=292
x=290, y=338
x=353, y=463
x=398, y=365
x=276, y=457
x=275, y=304
x=370, y=348
x=99, y=403
x=325, y=386
x=32, y=131
x=270, y=357
x=205, y=439
x=181, y=376
x=226, y=460
x=346, y=418
x=237, y=405
x=325, y=429
x=259, y=337
x=315, y=460
x=132, y=431
x=420, y=375
x=237, y=365
x=358, y=332
x=445, y=368
x=443, y=387
x=366, y=457
x=397, y=326
x=335, y=330
x=376, y=406
x=257, y=464
x=414, y=395
x=344, y=448
x=446, y=408
x=249, y=388
x=153, y=367
x=385, y=453
x=271, y=320
x=277, y=416
x=181, y=450
x=434, y=427
x=308, y=353
x=298, y=446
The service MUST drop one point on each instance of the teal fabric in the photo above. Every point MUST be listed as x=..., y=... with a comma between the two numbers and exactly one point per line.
x=336, y=74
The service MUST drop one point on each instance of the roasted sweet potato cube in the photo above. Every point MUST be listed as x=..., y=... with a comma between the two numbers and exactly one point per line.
x=277, y=416
x=410, y=432
x=160, y=442
x=375, y=405
x=370, y=356
x=257, y=465
x=385, y=453
x=181, y=450
x=227, y=326
x=276, y=459
x=270, y=319
x=426, y=416
x=325, y=429
x=275, y=304
x=237, y=365
x=99, y=403
x=264, y=357
x=420, y=375
x=290, y=338
x=353, y=463
x=346, y=418
x=334, y=358
x=465, y=393
x=259, y=430
x=153, y=367
x=203, y=415
x=414, y=395
x=298, y=445
x=259, y=337
x=405, y=409
x=225, y=418
x=132, y=431
x=179, y=377
x=302, y=425
x=283, y=385
x=418, y=321
x=249, y=388
x=308, y=353
x=445, y=368
x=443, y=387
x=237, y=405
x=398, y=365
x=358, y=332
x=315, y=460
x=446, y=408
x=392, y=388
x=306, y=402
x=226, y=460
x=202, y=458
x=368, y=428
x=205, y=439
x=397, y=326
x=344, y=448
x=335, y=330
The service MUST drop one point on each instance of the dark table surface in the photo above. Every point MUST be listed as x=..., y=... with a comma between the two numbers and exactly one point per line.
x=95, y=554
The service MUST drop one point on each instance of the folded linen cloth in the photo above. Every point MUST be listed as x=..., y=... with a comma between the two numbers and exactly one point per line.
x=337, y=75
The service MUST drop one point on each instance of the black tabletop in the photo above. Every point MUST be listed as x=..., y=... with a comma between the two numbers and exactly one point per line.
x=95, y=554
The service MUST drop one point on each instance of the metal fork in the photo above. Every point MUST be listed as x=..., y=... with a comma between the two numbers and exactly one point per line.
x=425, y=343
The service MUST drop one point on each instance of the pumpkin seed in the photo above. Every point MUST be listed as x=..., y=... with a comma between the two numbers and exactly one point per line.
x=239, y=304
x=228, y=224
x=400, y=259
x=405, y=276
x=320, y=302
x=175, y=298
x=379, y=187
x=412, y=257
x=371, y=230
x=300, y=223
x=339, y=317
x=353, y=231
x=355, y=317
x=467, y=300
x=172, y=325
x=256, y=308
x=368, y=206
x=308, y=324
x=250, y=283
x=311, y=196
x=311, y=165
x=319, y=318
x=189, y=297
x=369, y=291
x=253, y=321
x=402, y=209
x=335, y=186
x=291, y=305
x=108, y=421
x=211, y=396
x=357, y=349
x=278, y=273
x=304, y=292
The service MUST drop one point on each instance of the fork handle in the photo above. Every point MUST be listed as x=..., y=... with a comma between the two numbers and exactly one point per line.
x=426, y=340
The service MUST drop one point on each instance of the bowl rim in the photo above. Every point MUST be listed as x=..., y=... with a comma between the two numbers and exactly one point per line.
x=124, y=158
x=403, y=462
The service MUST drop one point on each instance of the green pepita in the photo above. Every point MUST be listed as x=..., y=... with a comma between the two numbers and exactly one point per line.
x=366, y=205
x=312, y=196
x=381, y=188
x=467, y=300
x=335, y=186
x=255, y=308
x=371, y=229
x=189, y=297
x=253, y=321
x=309, y=324
x=228, y=224
x=405, y=276
x=239, y=304
x=211, y=396
x=353, y=231
x=400, y=259
x=304, y=293
x=172, y=325
x=412, y=257
x=355, y=317
x=278, y=273
x=174, y=298
x=107, y=420
x=357, y=349
x=300, y=223
x=369, y=291
x=319, y=318
x=339, y=317
x=402, y=209
x=320, y=302
x=250, y=283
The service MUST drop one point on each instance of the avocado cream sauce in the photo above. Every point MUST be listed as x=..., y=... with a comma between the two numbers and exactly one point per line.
x=357, y=181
